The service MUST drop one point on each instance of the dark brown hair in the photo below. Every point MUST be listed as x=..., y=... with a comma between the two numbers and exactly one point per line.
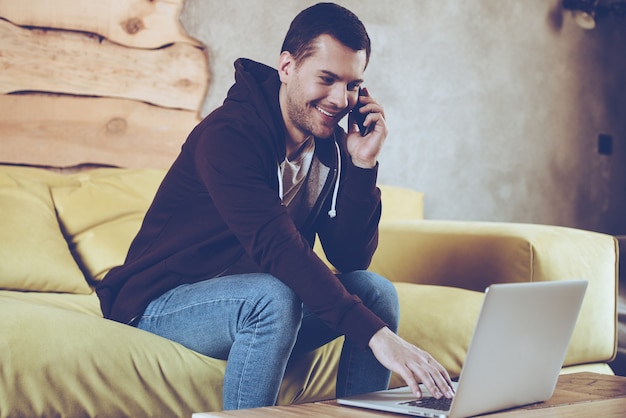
x=325, y=19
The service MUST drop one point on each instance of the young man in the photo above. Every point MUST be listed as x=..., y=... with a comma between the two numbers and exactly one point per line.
x=223, y=263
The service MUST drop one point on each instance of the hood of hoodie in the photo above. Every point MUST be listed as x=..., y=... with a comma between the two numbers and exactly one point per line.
x=256, y=89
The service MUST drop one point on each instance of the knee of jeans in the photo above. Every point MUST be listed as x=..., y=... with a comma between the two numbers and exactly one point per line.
x=386, y=292
x=387, y=305
x=281, y=303
x=379, y=294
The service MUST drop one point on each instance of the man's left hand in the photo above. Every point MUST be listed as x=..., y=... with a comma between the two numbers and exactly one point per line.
x=364, y=150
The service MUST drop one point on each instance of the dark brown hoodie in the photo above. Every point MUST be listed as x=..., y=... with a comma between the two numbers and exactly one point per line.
x=219, y=203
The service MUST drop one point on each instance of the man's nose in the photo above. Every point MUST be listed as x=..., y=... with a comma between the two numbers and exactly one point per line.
x=339, y=96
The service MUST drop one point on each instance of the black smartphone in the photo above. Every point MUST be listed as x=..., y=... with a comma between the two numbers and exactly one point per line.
x=360, y=117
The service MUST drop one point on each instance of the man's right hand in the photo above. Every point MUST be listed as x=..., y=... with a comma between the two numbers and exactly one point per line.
x=411, y=363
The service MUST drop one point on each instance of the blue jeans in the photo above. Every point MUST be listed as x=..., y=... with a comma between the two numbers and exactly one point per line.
x=256, y=323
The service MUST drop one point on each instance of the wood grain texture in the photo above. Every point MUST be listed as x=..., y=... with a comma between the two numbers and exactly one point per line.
x=137, y=23
x=63, y=131
x=576, y=395
x=74, y=63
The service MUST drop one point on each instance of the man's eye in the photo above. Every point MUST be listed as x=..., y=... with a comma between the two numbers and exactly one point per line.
x=354, y=87
x=327, y=80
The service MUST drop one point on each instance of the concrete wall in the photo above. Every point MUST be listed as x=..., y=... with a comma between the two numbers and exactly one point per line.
x=494, y=106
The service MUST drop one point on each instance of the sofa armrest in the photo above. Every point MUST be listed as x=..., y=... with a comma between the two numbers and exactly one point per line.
x=473, y=255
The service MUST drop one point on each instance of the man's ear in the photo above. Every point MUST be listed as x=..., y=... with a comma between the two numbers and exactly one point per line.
x=285, y=65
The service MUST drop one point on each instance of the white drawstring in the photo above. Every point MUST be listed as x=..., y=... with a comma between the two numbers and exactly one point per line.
x=280, y=182
x=333, y=204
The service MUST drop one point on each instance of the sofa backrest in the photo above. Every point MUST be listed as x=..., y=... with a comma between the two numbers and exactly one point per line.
x=96, y=214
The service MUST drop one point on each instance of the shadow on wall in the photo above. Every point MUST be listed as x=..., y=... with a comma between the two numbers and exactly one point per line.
x=600, y=199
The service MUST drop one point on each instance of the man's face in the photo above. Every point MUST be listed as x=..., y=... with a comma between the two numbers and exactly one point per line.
x=321, y=89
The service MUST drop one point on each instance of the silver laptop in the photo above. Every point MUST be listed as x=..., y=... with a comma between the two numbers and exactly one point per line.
x=515, y=355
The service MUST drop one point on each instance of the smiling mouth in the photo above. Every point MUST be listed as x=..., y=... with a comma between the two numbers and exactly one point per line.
x=325, y=113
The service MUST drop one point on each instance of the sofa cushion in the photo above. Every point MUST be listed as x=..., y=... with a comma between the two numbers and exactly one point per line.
x=400, y=203
x=72, y=364
x=49, y=176
x=34, y=255
x=83, y=303
x=109, y=369
x=103, y=213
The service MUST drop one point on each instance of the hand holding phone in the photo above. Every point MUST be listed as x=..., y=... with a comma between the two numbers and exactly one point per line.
x=365, y=148
x=359, y=117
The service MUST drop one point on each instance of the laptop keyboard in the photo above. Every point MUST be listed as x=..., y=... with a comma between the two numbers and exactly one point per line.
x=442, y=404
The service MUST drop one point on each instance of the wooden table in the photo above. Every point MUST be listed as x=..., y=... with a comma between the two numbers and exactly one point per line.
x=576, y=395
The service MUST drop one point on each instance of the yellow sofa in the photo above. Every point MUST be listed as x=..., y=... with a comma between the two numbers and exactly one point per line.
x=60, y=233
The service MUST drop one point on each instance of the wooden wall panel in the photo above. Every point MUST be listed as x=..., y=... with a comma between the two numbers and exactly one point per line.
x=74, y=63
x=138, y=23
x=67, y=131
x=113, y=82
